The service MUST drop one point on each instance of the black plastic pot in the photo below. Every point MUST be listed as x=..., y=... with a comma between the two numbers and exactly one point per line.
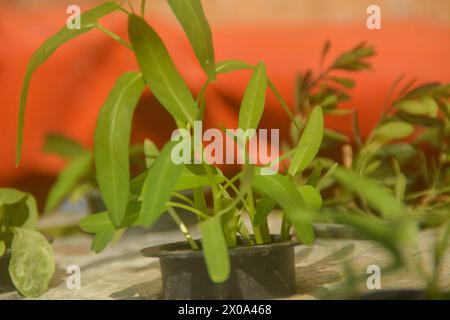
x=257, y=272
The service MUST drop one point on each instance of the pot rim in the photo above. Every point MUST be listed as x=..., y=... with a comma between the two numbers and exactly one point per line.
x=168, y=251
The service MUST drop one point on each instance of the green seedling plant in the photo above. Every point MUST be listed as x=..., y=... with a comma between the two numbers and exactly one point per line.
x=408, y=149
x=31, y=263
x=399, y=173
x=140, y=200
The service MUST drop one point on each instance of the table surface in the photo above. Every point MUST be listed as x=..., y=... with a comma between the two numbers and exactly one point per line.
x=120, y=272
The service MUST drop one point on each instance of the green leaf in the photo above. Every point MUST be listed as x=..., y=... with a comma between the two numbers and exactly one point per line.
x=150, y=152
x=236, y=65
x=112, y=143
x=159, y=185
x=10, y=196
x=215, y=250
x=101, y=240
x=282, y=190
x=22, y=214
x=101, y=225
x=372, y=167
x=159, y=71
x=309, y=143
x=321, y=183
x=63, y=146
x=229, y=222
x=263, y=208
x=68, y=179
x=312, y=197
x=372, y=228
x=88, y=21
x=32, y=263
x=192, y=18
x=335, y=136
x=393, y=131
x=94, y=223
x=347, y=83
x=376, y=195
x=252, y=105
x=426, y=106
x=227, y=66
x=186, y=180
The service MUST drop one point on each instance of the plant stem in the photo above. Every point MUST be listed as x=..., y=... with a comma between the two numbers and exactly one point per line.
x=143, y=8
x=200, y=201
x=188, y=208
x=256, y=229
x=285, y=228
x=283, y=103
x=183, y=228
x=183, y=197
x=113, y=35
x=215, y=190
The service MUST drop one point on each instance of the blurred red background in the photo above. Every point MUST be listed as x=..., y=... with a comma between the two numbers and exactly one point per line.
x=68, y=91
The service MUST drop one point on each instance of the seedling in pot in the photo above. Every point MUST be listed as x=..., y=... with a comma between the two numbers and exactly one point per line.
x=140, y=201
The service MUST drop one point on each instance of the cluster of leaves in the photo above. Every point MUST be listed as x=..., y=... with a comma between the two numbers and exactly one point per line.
x=143, y=199
x=31, y=262
x=402, y=166
x=408, y=149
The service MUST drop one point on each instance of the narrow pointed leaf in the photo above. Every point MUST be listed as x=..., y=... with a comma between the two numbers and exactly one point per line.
x=97, y=222
x=101, y=240
x=112, y=143
x=160, y=73
x=215, y=250
x=159, y=185
x=192, y=18
x=393, y=131
x=282, y=190
x=88, y=20
x=312, y=197
x=227, y=66
x=263, y=208
x=252, y=105
x=376, y=195
x=62, y=146
x=309, y=143
x=68, y=180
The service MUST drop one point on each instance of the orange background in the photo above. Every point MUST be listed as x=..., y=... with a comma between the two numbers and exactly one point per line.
x=67, y=92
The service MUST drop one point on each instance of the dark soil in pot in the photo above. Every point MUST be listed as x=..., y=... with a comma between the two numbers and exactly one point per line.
x=257, y=272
